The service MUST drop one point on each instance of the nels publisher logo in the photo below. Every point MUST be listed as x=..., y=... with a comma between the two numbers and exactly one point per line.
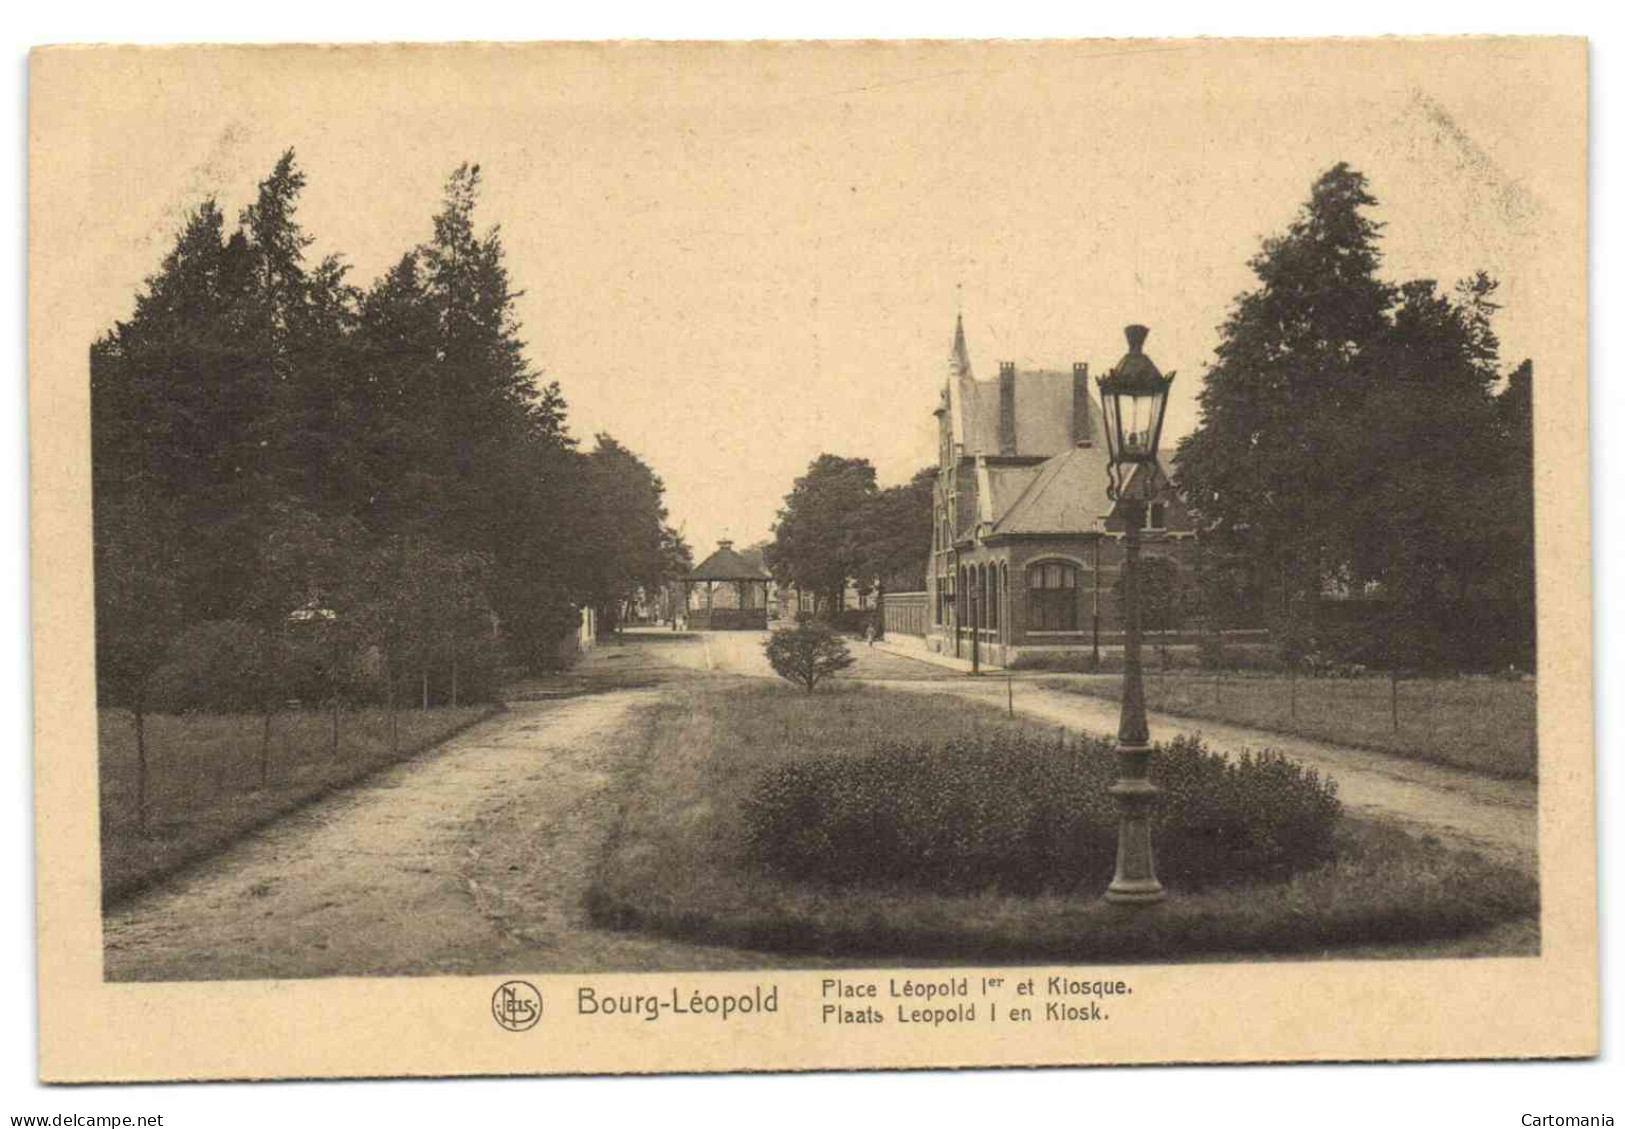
x=517, y=1006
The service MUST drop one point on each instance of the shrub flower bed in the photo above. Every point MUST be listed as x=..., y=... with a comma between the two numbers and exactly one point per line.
x=866, y=821
x=1015, y=813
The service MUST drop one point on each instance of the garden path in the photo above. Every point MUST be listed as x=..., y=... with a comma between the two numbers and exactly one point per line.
x=473, y=858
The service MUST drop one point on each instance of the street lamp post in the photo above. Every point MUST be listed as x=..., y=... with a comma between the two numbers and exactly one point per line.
x=1133, y=396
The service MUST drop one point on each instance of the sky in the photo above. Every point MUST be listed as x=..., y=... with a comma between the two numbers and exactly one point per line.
x=736, y=259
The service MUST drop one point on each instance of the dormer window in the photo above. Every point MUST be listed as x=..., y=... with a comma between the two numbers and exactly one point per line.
x=1156, y=516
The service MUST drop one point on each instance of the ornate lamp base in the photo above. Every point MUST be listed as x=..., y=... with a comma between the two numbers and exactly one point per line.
x=1136, y=880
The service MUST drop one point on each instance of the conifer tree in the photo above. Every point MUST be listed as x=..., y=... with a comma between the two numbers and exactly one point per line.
x=633, y=548
x=1292, y=369
x=1350, y=439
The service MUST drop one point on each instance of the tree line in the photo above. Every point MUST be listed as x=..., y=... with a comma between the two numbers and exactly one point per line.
x=305, y=488
x=1363, y=468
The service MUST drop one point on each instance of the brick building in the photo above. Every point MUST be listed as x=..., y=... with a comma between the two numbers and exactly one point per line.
x=1027, y=548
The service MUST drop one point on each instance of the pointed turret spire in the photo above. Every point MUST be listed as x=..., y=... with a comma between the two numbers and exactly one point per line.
x=959, y=358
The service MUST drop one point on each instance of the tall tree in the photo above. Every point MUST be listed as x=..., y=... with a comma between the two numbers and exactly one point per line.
x=402, y=478
x=484, y=394
x=1426, y=453
x=504, y=464
x=895, y=538
x=280, y=434
x=1292, y=366
x=173, y=391
x=819, y=542
x=1508, y=516
x=634, y=550
x=1349, y=436
x=1279, y=403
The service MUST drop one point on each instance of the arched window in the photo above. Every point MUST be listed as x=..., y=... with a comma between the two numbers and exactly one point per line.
x=1052, y=596
x=992, y=589
x=1004, y=591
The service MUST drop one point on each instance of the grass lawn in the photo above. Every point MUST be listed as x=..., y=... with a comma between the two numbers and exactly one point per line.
x=1483, y=724
x=204, y=784
x=676, y=862
x=875, y=663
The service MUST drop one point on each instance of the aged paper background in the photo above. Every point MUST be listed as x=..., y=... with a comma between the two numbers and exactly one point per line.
x=91, y=108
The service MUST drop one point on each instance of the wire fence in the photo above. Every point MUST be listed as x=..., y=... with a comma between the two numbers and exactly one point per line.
x=1485, y=724
x=202, y=779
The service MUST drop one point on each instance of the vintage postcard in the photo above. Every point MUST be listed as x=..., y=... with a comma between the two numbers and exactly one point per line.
x=631, y=557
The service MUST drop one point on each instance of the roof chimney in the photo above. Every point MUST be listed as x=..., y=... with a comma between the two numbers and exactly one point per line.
x=1081, y=435
x=1007, y=408
x=725, y=544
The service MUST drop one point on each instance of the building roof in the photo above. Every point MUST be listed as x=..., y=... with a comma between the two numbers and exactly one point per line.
x=1066, y=492
x=1066, y=495
x=1043, y=404
x=998, y=487
x=726, y=564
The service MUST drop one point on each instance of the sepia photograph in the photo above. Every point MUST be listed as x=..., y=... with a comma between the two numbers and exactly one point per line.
x=959, y=537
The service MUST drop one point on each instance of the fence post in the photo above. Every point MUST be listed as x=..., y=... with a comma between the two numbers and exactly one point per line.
x=335, y=752
x=265, y=750
x=1294, y=684
x=140, y=765
x=1393, y=695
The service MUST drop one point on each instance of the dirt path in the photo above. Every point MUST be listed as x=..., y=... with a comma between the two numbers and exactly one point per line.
x=470, y=859
x=740, y=652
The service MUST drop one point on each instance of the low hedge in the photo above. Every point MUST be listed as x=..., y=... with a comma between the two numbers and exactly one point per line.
x=1014, y=813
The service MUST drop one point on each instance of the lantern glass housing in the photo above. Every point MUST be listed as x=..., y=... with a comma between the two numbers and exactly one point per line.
x=1133, y=398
